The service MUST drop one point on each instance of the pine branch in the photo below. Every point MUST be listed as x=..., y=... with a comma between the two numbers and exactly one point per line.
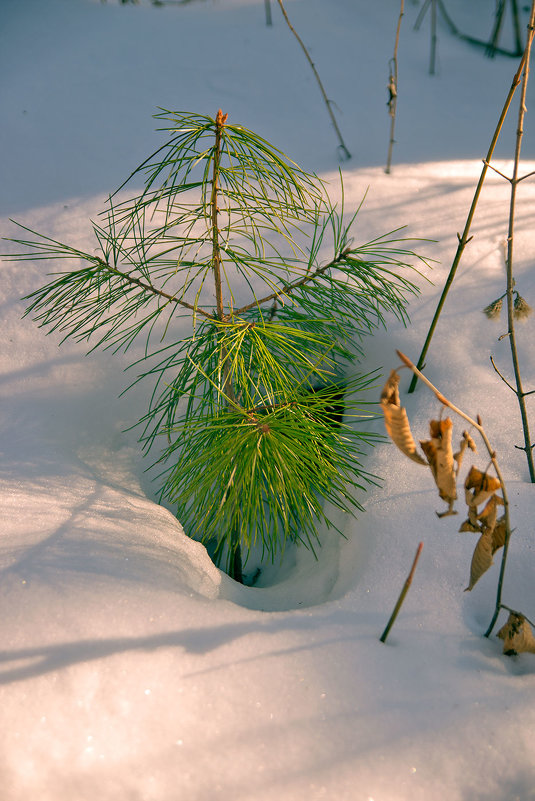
x=153, y=290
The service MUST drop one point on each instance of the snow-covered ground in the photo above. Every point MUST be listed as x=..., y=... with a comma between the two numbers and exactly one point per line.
x=131, y=669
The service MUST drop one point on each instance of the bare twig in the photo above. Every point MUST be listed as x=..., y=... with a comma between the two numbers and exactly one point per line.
x=510, y=242
x=342, y=147
x=465, y=238
x=497, y=171
x=505, y=381
x=477, y=424
x=402, y=595
x=515, y=612
x=393, y=90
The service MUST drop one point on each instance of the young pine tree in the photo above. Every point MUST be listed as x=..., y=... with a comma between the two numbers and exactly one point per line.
x=246, y=412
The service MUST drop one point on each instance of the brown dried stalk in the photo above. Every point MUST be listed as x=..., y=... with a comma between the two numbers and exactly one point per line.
x=402, y=595
x=477, y=424
x=342, y=147
x=393, y=91
x=514, y=180
x=465, y=237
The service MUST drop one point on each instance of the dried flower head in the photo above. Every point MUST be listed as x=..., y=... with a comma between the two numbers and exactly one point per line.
x=492, y=311
x=522, y=309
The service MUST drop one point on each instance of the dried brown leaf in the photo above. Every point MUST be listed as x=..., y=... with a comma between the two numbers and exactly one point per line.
x=439, y=454
x=479, y=487
x=396, y=420
x=472, y=515
x=489, y=514
x=477, y=480
x=499, y=534
x=466, y=442
x=469, y=441
x=517, y=635
x=468, y=526
x=481, y=559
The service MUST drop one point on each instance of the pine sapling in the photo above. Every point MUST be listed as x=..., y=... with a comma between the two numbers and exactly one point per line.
x=245, y=420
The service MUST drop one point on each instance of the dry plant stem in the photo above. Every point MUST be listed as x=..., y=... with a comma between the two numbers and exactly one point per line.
x=516, y=612
x=342, y=147
x=465, y=237
x=510, y=242
x=393, y=88
x=402, y=595
x=492, y=454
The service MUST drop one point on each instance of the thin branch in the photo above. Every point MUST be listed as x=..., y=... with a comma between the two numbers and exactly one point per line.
x=465, y=238
x=497, y=171
x=150, y=288
x=402, y=595
x=505, y=381
x=393, y=90
x=287, y=289
x=515, y=612
x=523, y=178
x=345, y=152
x=492, y=454
x=510, y=242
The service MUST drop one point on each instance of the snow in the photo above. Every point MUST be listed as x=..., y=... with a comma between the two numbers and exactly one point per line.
x=130, y=667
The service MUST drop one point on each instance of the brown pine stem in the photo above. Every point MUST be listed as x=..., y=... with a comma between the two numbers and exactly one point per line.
x=227, y=385
x=393, y=89
x=402, y=595
x=342, y=147
x=235, y=563
x=287, y=289
x=129, y=279
x=216, y=251
x=235, y=557
x=465, y=237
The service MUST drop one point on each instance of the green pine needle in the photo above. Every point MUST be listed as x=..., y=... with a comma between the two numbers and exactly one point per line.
x=256, y=430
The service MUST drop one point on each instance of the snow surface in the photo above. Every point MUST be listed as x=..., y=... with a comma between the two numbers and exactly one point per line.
x=131, y=668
